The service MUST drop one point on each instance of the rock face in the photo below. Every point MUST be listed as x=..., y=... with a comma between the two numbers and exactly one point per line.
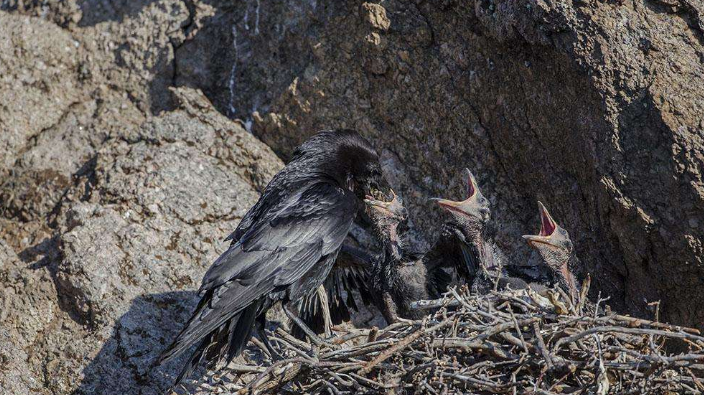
x=160, y=202
x=116, y=189
x=23, y=307
x=594, y=108
x=135, y=233
x=110, y=214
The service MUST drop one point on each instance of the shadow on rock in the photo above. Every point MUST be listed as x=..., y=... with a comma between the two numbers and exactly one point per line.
x=97, y=11
x=124, y=363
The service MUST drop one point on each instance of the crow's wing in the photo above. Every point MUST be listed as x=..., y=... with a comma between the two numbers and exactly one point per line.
x=471, y=259
x=317, y=218
x=271, y=195
x=349, y=276
x=277, y=250
x=350, y=273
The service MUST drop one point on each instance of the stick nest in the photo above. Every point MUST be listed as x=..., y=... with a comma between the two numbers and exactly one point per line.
x=505, y=342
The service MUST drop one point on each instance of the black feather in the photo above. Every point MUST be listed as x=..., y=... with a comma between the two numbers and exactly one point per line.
x=348, y=278
x=283, y=248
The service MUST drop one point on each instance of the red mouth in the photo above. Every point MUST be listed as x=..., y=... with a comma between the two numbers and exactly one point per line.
x=471, y=190
x=547, y=224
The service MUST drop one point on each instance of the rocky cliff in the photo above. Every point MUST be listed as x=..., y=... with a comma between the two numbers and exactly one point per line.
x=119, y=178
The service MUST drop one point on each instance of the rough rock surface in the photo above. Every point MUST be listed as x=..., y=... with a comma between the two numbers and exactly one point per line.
x=115, y=191
x=160, y=202
x=36, y=60
x=17, y=377
x=135, y=232
x=111, y=213
x=595, y=108
x=109, y=210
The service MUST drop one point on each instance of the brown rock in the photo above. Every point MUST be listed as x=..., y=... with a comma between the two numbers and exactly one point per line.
x=595, y=109
x=375, y=15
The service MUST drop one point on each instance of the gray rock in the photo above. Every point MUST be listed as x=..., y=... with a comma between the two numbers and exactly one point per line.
x=113, y=211
x=162, y=203
x=135, y=234
x=16, y=377
x=26, y=310
x=115, y=193
x=38, y=63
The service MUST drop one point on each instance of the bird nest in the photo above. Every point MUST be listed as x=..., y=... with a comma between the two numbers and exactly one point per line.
x=505, y=342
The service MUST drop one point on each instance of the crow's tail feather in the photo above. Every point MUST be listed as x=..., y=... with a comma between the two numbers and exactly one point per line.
x=179, y=344
x=223, y=344
x=242, y=332
x=192, y=362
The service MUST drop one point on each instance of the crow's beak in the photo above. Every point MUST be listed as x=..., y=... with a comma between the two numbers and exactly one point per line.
x=547, y=229
x=469, y=207
x=450, y=205
x=393, y=208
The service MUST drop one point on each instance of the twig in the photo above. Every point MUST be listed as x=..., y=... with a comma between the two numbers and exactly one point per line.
x=540, y=344
x=401, y=345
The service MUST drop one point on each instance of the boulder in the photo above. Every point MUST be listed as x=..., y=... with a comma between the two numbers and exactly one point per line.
x=135, y=234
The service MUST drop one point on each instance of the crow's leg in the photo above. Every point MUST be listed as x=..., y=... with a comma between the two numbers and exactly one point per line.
x=324, y=305
x=311, y=335
x=389, y=308
x=261, y=331
x=390, y=311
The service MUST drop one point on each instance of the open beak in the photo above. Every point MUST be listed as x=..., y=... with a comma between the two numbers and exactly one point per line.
x=547, y=229
x=450, y=205
x=461, y=206
x=391, y=208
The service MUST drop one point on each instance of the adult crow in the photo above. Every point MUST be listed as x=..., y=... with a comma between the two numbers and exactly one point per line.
x=283, y=248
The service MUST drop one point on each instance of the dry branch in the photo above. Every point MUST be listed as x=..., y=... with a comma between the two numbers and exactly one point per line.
x=506, y=342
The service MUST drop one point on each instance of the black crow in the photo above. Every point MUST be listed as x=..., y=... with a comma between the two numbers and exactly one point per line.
x=283, y=248
x=555, y=247
x=467, y=231
x=397, y=279
x=463, y=242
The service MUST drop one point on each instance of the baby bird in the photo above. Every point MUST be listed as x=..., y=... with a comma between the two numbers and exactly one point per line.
x=397, y=280
x=468, y=225
x=557, y=251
